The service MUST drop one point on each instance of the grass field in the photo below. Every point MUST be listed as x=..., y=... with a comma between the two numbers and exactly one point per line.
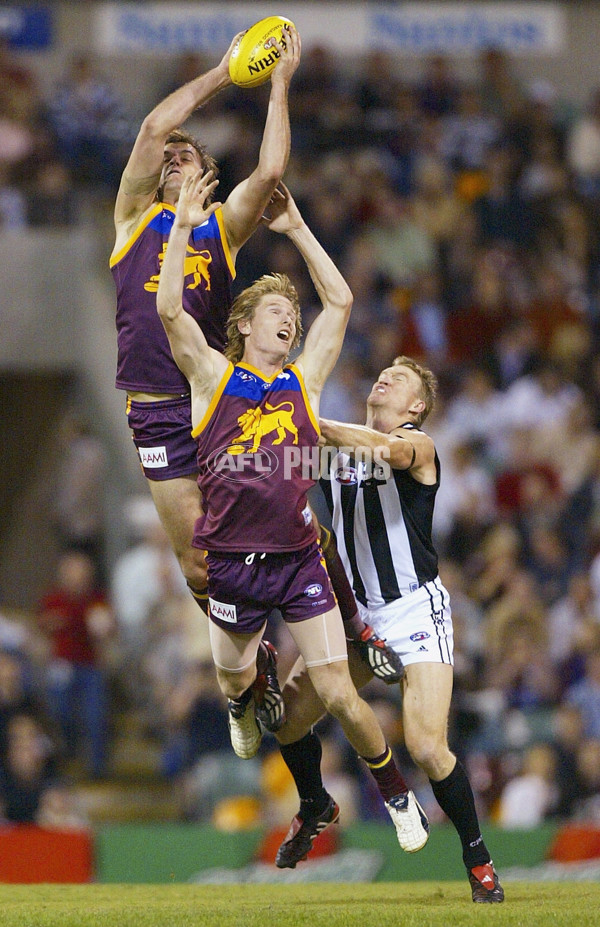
x=412, y=904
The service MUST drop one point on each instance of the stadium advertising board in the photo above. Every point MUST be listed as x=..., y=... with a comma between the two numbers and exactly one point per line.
x=412, y=28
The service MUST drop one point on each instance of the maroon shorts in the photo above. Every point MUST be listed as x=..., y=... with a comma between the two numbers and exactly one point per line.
x=243, y=594
x=162, y=434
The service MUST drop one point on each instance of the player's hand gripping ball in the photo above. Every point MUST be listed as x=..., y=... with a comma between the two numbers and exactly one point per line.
x=255, y=55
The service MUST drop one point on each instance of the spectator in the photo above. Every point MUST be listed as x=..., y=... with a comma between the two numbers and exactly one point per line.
x=532, y=796
x=402, y=250
x=81, y=477
x=585, y=694
x=143, y=577
x=469, y=133
x=465, y=510
x=567, y=739
x=17, y=697
x=78, y=623
x=583, y=149
x=501, y=92
x=91, y=128
x=438, y=89
x=587, y=805
x=28, y=769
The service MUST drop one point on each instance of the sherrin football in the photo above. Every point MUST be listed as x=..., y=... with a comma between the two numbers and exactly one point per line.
x=254, y=55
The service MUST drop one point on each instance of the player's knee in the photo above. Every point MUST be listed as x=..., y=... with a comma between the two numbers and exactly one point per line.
x=232, y=685
x=193, y=567
x=429, y=751
x=341, y=702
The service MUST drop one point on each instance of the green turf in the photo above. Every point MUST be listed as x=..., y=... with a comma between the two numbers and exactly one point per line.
x=414, y=904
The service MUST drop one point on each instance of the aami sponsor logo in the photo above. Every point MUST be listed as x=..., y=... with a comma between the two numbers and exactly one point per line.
x=222, y=611
x=313, y=590
x=420, y=636
x=153, y=457
x=243, y=466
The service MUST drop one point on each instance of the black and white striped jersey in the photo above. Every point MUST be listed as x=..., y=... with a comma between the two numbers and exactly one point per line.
x=383, y=528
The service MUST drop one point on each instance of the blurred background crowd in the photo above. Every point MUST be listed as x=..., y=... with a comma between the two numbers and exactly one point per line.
x=465, y=217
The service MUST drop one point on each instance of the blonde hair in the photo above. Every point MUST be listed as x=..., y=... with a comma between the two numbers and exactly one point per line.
x=244, y=306
x=429, y=384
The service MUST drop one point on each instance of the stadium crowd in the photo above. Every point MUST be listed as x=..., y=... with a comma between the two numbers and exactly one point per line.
x=465, y=217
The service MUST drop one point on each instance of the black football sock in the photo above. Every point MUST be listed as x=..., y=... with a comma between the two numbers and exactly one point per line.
x=455, y=797
x=303, y=759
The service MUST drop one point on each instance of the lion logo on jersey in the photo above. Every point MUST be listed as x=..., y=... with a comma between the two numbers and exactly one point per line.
x=256, y=425
x=195, y=266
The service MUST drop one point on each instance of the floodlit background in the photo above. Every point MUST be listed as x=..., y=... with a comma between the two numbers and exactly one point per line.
x=448, y=157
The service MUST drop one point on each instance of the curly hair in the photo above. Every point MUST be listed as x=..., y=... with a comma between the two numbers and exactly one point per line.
x=179, y=137
x=429, y=384
x=244, y=306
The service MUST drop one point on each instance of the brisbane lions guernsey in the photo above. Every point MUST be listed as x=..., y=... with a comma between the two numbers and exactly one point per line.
x=254, y=446
x=382, y=519
x=145, y=362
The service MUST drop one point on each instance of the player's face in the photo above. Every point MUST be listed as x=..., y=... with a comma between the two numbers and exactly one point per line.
x=397, y=388
x=273, y=325
x=180, y=159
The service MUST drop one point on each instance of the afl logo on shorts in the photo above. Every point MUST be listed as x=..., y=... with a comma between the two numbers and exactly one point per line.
x=347, y=476
x=420, y=636
x=313, y=590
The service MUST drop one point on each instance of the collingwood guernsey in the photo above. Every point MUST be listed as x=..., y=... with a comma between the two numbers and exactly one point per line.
x=382, y=520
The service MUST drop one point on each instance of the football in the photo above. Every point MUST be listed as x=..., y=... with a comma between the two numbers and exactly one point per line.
x=254, y=55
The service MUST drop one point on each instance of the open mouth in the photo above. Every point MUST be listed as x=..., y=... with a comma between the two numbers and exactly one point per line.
x=283, y=335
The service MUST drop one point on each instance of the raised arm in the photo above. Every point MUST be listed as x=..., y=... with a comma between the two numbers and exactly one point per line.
x=245, y=205
x=325, y=337
x=201, y=364
x=142, y=171
x=403, y=449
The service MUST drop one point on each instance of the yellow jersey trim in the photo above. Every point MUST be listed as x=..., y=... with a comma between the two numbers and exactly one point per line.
x=228, y=257
x=115, y=258
x=213, y=402
x=258, y=372
x=311, y=414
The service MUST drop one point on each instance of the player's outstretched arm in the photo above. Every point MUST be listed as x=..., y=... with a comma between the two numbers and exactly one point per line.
x=326, y=334
x=404, y=449
x=142, y=171
x=245, y=205
x=192, y=354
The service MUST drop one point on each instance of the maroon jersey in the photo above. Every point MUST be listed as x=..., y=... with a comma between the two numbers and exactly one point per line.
x=145, y=362
x=257, y=454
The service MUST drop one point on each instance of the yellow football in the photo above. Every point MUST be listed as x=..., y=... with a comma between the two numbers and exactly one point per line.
x=254, y=55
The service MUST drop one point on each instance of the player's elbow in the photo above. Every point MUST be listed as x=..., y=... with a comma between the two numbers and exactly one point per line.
x=344, y=300
x=271, y=167
x=168, y=309
x=152, y=128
